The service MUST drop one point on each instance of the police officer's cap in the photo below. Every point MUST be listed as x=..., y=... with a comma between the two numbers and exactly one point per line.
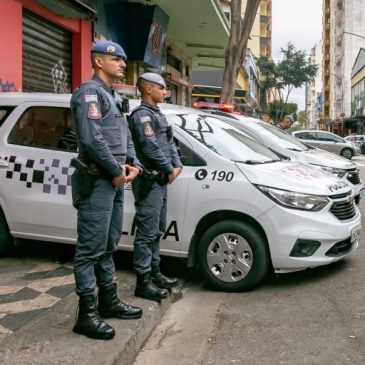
x=291, y=119
x=152, y=77
x=108, y=47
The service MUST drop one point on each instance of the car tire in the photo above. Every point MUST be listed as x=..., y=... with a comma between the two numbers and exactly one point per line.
x=347, y=153
x=6, y=240
x=233, y=256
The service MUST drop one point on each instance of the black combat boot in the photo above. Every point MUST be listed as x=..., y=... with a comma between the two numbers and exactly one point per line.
x=109, y=306
x=88, y=321
x=146, y=289
x=161, y=280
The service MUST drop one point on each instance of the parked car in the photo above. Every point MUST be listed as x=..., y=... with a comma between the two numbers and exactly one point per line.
x=357, y=140
x=328, y=141
x=291, y=148
x=228, y=211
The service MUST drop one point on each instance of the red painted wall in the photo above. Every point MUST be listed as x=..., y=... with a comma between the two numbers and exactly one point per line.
x=11, y=43
x=11, y=46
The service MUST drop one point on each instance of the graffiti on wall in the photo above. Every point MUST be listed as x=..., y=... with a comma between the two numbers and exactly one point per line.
x=59, y=77
x=6, y=86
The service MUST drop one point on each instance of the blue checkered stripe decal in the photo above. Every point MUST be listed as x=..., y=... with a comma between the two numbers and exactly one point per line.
x=54, y=177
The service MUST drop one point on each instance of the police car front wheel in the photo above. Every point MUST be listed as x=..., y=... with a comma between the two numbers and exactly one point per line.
x=6, y=241
x=233, y=256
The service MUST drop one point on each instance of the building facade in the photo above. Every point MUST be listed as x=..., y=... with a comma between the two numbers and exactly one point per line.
x=343, y=36
x=46, y=47
x=49, y=42
x=314, y=90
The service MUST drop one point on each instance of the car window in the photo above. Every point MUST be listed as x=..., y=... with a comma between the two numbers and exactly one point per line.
x=326, y=137
x=187, y=155
x=44, y=127
x=306, y=135
x=222, y=138
x=4, y=112
x=338, y=139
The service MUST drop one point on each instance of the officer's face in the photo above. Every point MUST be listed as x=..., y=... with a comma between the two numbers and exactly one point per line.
x=158, y=93
x=112, y=66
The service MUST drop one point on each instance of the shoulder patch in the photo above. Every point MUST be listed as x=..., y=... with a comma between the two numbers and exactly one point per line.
x=93, y=111
x=89, y=98
x=147, y=128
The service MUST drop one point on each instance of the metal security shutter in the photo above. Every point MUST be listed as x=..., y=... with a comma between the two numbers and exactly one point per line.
x=47, y=54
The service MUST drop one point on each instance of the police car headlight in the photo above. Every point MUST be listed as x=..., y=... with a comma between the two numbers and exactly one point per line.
x=293, y=200
x=332, y=170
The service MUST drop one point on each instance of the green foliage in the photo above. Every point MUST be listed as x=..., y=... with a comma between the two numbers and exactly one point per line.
x=293, y=71
x=285, y=108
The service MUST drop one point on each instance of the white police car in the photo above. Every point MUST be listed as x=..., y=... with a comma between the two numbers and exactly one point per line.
x=287, y=146
x=236, y=210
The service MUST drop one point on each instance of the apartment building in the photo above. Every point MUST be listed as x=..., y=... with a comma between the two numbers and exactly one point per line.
x=314, y=89
x=343, y=36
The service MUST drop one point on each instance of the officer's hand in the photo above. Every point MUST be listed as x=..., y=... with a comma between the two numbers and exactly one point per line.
x=174, y=174
x=120, y=179
x=131, y=172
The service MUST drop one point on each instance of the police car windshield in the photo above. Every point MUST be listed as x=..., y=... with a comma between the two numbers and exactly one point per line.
x=270, y=133
x=222, y=138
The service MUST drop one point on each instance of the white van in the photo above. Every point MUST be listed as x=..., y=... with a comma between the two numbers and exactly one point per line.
x=292, y=148
x=236, y=210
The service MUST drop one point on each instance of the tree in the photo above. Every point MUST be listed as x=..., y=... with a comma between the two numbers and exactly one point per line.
x=301, y=121
x=292, y=71
x=237, y=45
x=286, y=108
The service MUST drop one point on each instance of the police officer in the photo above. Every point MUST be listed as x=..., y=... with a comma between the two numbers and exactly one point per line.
x=155, y=148
x=105, y=142
x=286, y=123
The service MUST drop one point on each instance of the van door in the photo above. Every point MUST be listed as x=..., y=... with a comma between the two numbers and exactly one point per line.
x=36, y=182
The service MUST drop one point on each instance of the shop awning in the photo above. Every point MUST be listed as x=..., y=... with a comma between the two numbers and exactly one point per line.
x=200, y=28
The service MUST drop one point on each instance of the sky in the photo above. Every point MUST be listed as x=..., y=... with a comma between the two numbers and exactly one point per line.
x=298, y=22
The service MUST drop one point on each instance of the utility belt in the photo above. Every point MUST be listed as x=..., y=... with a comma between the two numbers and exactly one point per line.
x=90, y=172
x=147, y=179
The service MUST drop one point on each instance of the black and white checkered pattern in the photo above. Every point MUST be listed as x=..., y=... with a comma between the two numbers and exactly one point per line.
x=54, y=177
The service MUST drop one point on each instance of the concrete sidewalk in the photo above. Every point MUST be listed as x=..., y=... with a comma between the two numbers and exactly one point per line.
x=49, y=339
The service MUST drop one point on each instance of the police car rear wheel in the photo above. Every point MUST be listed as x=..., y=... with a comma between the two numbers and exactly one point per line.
x=233, y=256
x=6, y=241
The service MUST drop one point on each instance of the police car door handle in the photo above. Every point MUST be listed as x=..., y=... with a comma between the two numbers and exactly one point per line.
x=3, y=164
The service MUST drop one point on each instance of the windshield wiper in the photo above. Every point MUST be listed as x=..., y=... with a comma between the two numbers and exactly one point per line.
x=254, y=162
x=294, y=149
